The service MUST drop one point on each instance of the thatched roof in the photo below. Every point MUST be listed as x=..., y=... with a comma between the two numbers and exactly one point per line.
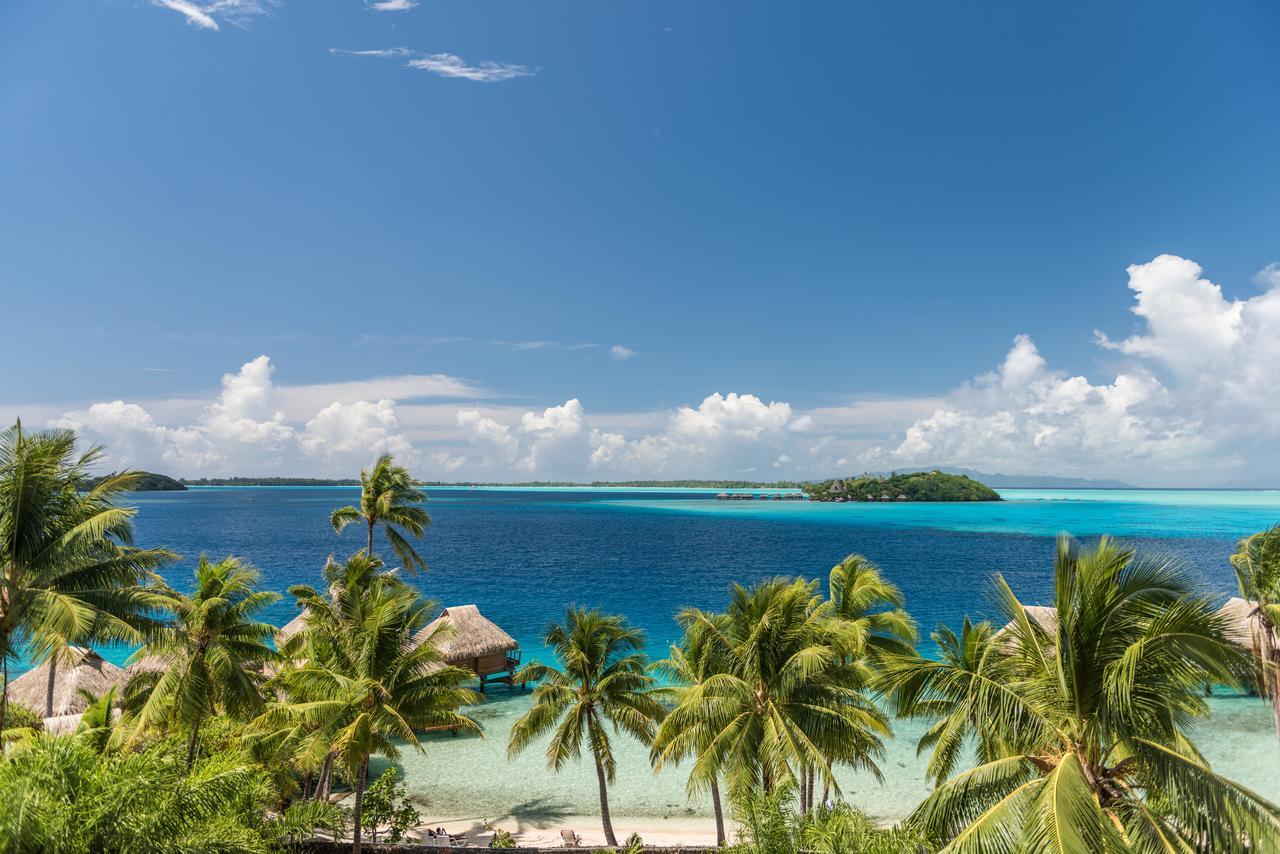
x=89, y=672
x=149, y=664
x=1044, y=616
x=472, y=635
x=291, y=628
x=1243, y=625
x=64, y=724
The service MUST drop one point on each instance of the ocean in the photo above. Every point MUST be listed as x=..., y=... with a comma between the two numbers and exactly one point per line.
x=522, y=555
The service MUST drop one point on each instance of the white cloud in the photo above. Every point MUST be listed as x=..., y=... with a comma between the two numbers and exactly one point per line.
x=446, y=65
x=391, y=5
x=207, y=14
x=1195, y=404
x=1187, y=398
x=621, y=353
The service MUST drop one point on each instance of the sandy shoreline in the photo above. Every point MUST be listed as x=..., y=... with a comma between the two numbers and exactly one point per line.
x=544, y=831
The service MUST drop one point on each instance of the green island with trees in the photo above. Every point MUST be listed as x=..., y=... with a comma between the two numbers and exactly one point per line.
x=912, y=486
x=141, y=481
x=1069, y=733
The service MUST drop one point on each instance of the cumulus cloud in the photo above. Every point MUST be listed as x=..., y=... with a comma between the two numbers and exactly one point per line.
x=1191, y=404
x=444, y=64
x=1186, y=397
x=621, y=353
x=392, y=5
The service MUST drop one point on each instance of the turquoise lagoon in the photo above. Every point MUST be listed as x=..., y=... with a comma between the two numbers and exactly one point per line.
x=523, y=554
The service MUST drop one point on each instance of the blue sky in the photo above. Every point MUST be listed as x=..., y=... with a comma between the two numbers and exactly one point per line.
x=849, y=210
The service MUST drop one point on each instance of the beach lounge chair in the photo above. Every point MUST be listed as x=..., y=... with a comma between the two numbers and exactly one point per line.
x=571, y=839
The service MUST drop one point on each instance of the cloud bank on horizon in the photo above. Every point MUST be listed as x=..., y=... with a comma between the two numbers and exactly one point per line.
x=1190, y=400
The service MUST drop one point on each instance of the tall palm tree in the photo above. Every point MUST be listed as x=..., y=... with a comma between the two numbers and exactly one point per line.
x=68, y=567
x=790, y=696
x=871, y=606
x=372, y=676
x=677, y=738
x=388, y=497
x=1082, y=731
x=1257, y=566
x=603, y=679
x=213, y=652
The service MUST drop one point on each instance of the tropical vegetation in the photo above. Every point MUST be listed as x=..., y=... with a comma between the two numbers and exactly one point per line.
x=390, y=497
x=603, y=680
x=910, y=486
x=1056, y=729
x=1083, y=724
x=1257, y=566
x=69, y=572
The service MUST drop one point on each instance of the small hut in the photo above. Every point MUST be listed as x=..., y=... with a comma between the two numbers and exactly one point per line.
x=86, y=670
x=476, y=643
x=1244, y=627
x=291, y=628
x=1044, y=616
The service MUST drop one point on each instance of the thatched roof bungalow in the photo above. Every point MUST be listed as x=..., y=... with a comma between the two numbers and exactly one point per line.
x=1244, y=627
x=466, y=638
x=291, y=628
x=88, y=670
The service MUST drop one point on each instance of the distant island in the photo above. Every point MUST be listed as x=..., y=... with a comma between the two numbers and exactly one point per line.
x=650, y=484
x=148, y=481
x=1031, y=481
x=907, y=486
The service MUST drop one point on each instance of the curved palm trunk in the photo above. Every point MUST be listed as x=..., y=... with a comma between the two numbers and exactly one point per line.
x=326, y=779
x=609, y=838
x=53, y=681
x=4, y=694
x=715, y=803
x=192, y=743
x=358, y=812
x=1271, y=671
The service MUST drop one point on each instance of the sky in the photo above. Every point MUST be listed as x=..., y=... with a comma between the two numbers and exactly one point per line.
x=596, y=241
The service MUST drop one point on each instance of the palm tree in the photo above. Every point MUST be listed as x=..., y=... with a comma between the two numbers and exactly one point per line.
x=689, y=668
x=603, y=678
x=871, y=606
x=213, y=651
x=1082, y=731
x=1257, y=566
x=790, y=695
x=68, y=567
x=372, y=675
x=388, y=497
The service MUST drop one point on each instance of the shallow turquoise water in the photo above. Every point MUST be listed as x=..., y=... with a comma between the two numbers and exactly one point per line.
x=522, y=555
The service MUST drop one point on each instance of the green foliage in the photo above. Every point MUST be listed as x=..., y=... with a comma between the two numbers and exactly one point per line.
x=914, y=486
x=390, y=497
x=144, y=481
x=387, y=805
x=68, y=570
x=768, y=823
x=213, y=651
x=502, y=839
x=301, y=820
x=22, y=718
x=1082, y=729
x=787, y=695
x=61, y=795
x=363, y=678
x=633, y=844
x=604, y=680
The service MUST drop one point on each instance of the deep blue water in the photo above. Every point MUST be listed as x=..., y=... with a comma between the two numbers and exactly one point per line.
x=523, y=555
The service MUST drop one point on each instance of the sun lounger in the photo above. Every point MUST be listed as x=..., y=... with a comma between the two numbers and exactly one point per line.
x=571, y=839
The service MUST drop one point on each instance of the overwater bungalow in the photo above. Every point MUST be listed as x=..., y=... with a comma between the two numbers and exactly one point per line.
x=86, y=670
x=475, y=643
